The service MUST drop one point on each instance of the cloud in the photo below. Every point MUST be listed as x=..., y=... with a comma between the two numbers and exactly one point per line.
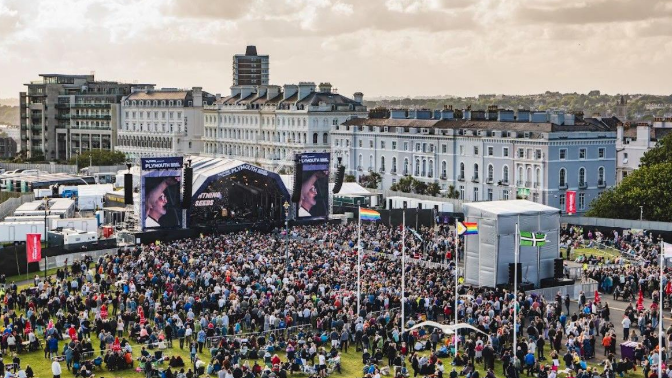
x=595, y=11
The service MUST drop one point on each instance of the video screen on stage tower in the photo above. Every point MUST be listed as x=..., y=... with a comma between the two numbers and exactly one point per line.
x=314, y=199
x=160, y=202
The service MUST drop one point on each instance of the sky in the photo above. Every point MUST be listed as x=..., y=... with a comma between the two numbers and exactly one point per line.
x=378, y=47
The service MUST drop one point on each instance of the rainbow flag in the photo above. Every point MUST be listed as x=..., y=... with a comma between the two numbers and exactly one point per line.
x=368, y=214
x=467, y=228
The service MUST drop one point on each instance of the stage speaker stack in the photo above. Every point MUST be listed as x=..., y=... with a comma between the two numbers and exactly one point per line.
x=340, y=174
x=298, y=173
x=558, y=268
x=128, y=189
x=512, y=273
x=187, y=192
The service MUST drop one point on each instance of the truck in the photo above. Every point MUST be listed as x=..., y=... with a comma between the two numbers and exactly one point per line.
x=15, y=232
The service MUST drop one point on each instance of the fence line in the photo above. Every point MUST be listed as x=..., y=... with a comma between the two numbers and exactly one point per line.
x=616, y=223
x=8, y=207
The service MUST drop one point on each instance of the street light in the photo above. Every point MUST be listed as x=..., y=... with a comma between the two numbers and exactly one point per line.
x=286, y=206
x=641, y=213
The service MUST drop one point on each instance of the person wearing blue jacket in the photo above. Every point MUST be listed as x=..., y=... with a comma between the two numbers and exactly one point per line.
x=529, y=363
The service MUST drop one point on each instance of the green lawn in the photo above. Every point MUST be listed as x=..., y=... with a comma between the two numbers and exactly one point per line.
x=351, y=363
x=607, y=253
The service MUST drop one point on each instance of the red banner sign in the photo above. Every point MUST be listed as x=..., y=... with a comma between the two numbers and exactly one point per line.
x=33, y=247
x=571, y=202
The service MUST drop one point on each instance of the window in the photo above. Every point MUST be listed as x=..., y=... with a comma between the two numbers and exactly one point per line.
x=371, y=143
x=505, y=174
x=475, y=171
x=462, y=170
x=461, y=150
x=476, y=150
x=443, y=168
x=405, y=166
x=360, y=143
x=562, y=202
x=521, y=153
x=394, y=164
x=491, y=151
x=405, y=146
x=505, y=194
x=537, y=154
x=582, y=201
x=489, y=194
x=382, y=163
x=417, y=167
x=462, y=192
x=491, y=173
x=394, y=145
x=582, y=153
x=424, y=147
x=444, y=148
x=582, y=176
x=600, y=175
x=314, y=138
x=382, y=144
x=475, y=194
x=417, y=147
x=563, y=153
x=600, y=153
x=537, y=182
x=563, y=177
x=505, y=151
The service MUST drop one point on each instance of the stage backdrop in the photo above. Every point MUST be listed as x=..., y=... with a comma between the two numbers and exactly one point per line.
x=160, y=203
x=314, y=199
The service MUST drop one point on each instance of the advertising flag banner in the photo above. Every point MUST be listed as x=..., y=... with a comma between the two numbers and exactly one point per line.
x=33, y=247
x=571, y=202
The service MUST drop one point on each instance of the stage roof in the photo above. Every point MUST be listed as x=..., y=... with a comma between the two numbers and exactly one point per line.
x=511, y=207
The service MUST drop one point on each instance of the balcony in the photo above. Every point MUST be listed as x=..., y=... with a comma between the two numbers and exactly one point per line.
x=562, y=186
x=460, y=178
x=536, y=185
x=489, y=180
x=503, y=183
x=381, y=170
x=37, y=129
x=519, y=183
x=583, y=184
x=528, y=184
x=64, y=105
x=444, y=176
x=430, y=175
x=474, y=179
x=90, y=106
x=393, y=171
x=370, y=169
x=601, y=184
x=63, y=116
x=405, y=172
x=359, y=168
x=106, y=117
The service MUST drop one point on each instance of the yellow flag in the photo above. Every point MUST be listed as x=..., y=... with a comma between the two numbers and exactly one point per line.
x=158, y=242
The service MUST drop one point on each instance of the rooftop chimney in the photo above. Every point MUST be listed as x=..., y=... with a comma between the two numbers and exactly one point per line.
x=251, y=51
x=358, y=97
x=325, y=87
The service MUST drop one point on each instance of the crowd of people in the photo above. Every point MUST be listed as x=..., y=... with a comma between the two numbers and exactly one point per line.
x=229, y=299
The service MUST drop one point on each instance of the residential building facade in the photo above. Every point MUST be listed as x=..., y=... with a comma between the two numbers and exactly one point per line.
x=634, y=139
x=162, y=122
x=250, y=69
x=485, y=155
x=266, y=125
x=7, y=147
x=64, y=115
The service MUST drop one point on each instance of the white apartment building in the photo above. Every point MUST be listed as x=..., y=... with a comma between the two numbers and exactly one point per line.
x=633, y=140
x=165, y=122
x=266, y=125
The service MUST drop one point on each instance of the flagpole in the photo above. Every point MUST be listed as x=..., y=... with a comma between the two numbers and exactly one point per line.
x=457, y=240
x=403, y=271
x=660, y=312
x=359, y=262
x=515, y=291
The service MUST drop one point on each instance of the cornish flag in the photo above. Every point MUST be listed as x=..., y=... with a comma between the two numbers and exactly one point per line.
x=532, y=239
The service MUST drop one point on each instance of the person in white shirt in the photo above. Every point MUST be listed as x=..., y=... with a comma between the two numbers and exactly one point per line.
x=56, y=369
x=626, y=327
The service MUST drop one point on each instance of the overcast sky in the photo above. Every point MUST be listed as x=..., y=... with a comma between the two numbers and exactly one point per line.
x=378, y=47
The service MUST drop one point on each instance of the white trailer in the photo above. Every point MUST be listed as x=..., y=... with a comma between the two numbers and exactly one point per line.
x=414, y=203
x=71, y=236
x=13, y=232
x=81, y=224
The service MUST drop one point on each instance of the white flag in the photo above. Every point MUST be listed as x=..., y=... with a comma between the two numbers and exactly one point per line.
x=667, y=250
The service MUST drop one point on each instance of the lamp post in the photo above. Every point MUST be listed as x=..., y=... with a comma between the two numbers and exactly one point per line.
x=641, y=213
x=286, y=206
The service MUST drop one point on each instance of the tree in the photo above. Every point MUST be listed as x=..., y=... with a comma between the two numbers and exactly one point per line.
x=371, y=180
x=662, y=153
x=349, y=178
x=433, y=189
x=405, y=184
x=648, y=186
x=420, y=187
x=99, y=157
x=452, y=192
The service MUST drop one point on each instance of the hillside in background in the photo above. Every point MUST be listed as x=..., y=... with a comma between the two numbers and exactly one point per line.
x=9, y=115
x=640, y=107
x=9, y=101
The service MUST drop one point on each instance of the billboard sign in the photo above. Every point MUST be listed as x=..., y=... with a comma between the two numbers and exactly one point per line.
x=160, y=202
x=314, y=199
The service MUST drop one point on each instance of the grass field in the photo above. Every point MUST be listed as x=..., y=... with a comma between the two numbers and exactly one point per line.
x=351, y=364
x=607, y=253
